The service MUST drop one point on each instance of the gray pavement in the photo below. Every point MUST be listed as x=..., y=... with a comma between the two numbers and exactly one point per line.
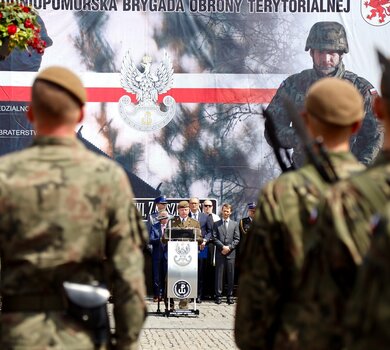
x=211, y=329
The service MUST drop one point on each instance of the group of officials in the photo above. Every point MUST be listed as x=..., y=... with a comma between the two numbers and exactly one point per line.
x=218, y=240
x=315, y=266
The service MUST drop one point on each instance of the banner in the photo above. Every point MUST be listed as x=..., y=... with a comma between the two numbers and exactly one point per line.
x=175, y=87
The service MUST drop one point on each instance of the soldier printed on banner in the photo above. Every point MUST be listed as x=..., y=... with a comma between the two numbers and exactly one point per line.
x=327, y=43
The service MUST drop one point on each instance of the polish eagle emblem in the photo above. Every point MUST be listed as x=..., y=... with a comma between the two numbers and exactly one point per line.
x=147, y=84
x=182, y=257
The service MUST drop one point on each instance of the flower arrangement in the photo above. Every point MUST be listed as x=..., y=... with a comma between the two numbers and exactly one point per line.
x=19, y=27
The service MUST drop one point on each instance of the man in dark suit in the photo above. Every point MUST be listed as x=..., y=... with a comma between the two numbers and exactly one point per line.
x=226, y=236
x=159, y=258
x=206, y=227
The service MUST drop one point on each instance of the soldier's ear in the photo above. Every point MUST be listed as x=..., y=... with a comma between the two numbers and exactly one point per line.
x=356, y=126
x=379, y=107
x=81, y=117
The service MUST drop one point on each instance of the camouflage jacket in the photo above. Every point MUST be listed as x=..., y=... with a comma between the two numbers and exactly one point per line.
x=66, y=214
x=367, y=318
x=274, y=255
x=365, y=145
x=331, y=264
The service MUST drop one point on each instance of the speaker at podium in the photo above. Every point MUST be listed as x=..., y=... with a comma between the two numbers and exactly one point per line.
x=182, y=274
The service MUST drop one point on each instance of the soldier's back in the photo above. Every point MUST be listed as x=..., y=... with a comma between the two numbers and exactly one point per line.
x=61, y=209
x=275, y=252
x=367, y=318
x=331, y=264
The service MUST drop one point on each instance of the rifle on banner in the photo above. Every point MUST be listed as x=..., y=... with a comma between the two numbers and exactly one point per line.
x=284, y=159
x=314, y=149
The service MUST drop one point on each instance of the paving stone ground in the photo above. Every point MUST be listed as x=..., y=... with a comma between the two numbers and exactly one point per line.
x=211, y=329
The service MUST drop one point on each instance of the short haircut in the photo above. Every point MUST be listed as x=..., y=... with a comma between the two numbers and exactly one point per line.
x=227, y=205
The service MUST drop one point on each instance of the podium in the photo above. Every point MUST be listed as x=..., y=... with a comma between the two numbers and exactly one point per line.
x=182, y=274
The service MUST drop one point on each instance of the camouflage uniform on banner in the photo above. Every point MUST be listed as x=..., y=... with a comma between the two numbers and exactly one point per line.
x=325, y=36
x=368, y=313
x=280, y=235
x=66, y=214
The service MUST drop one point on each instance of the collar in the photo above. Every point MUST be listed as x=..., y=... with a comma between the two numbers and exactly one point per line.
x=56, y=141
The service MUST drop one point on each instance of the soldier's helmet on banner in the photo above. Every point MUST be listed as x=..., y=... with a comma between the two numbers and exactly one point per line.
x=327, y=36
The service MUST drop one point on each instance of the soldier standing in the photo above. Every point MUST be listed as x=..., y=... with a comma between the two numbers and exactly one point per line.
x=277, y=240
x=245, y=224
x=327, y=42
x=184, y=221
x=345, y=232
x=66, y=216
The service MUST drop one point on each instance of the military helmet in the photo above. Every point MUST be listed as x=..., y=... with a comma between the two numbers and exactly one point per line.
x=327, y=36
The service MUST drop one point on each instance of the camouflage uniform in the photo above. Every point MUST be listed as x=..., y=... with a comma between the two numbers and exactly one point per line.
x=331, y=265
x=274, y=255
x=63, y=211
x=367, y=316
x=325, y=36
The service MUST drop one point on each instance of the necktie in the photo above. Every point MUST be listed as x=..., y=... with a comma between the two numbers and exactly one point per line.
x=196, y=216
x=226, y=224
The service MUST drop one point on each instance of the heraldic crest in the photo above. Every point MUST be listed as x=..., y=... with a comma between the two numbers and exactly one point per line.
x=147, y=114
x=182, y=258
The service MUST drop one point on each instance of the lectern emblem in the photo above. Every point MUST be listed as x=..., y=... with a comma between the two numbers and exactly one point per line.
x=182, y=289
x=147, y=114
x=182, y=258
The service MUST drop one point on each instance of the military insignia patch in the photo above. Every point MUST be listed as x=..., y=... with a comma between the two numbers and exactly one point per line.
x=375, y=12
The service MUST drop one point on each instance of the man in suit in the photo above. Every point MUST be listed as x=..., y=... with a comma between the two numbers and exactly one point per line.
x=206, y=227
x=159, y=259
x=226, y=236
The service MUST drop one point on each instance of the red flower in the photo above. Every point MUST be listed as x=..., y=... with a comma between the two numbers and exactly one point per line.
x=12, y=28
x=28, y=23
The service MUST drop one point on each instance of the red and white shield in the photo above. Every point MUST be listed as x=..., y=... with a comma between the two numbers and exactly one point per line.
x=375, y=12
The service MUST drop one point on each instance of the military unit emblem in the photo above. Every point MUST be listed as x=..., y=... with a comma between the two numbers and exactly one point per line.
x=375, y=12
x=182, y=289
x=147, y=114
x=183, y=256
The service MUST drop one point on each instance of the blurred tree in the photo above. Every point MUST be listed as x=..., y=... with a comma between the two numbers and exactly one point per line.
x=221, y=144
x=98, y=56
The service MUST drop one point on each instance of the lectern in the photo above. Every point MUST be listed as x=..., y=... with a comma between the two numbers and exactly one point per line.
x=182, y=274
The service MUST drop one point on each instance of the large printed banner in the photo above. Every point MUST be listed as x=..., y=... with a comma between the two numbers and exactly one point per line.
x=176, y=87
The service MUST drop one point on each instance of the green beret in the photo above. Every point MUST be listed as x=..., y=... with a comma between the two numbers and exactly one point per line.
x=335, y=101
x=184, y=204
x=66, y=79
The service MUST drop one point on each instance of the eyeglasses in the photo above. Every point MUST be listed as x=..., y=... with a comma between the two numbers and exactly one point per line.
x=194, y=203
x=207, y=205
